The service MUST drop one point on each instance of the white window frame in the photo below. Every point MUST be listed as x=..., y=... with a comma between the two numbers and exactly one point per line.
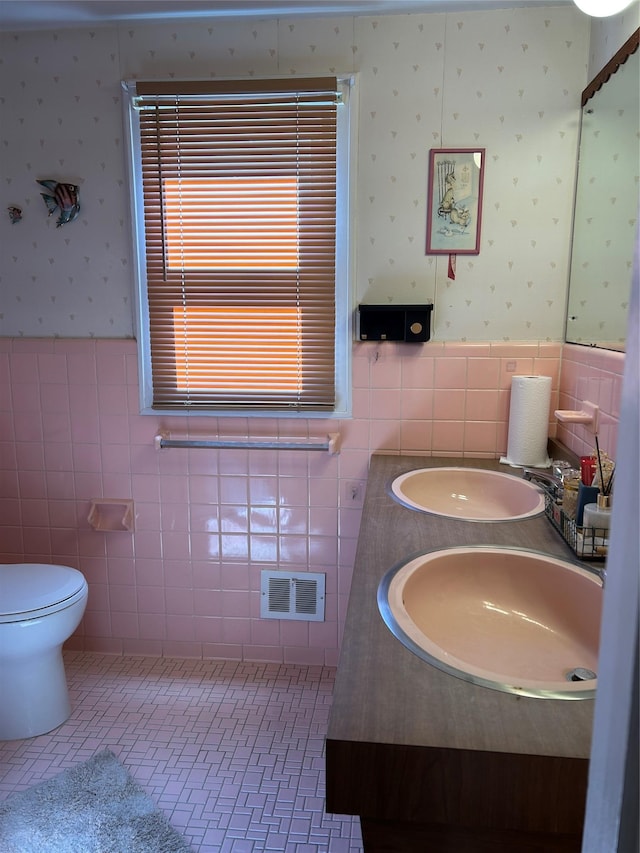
x=345, y=196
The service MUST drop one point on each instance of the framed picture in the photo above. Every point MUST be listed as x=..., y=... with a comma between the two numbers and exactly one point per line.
x=454, y=201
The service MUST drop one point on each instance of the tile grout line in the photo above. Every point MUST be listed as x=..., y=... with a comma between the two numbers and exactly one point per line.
x=232, y=752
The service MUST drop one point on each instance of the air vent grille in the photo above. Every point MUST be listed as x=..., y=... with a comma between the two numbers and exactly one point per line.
x=285, y=595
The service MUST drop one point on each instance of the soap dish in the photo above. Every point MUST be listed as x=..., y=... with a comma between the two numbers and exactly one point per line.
x=112, y=514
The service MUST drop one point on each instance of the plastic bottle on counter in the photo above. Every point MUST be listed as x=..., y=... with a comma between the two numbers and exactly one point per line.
x=598, y=515
x=571, y=485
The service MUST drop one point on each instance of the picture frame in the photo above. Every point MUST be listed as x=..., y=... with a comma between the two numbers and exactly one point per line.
x=454, y=201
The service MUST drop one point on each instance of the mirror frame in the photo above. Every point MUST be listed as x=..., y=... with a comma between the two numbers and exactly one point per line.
x=607, y=71
x=627, y=50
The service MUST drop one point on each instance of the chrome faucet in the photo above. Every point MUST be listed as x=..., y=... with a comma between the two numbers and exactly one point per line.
x=549, y=482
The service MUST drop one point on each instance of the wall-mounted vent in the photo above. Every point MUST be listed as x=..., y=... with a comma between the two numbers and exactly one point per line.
x=286, y=595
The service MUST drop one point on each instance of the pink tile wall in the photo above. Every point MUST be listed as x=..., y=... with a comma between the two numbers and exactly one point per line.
x=594, y=375
x=187, y=581
x=443, y=399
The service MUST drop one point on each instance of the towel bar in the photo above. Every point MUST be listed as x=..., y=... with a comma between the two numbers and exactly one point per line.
x=330, y=444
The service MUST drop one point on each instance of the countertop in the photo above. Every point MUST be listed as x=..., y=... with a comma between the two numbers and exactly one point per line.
x=384, y=694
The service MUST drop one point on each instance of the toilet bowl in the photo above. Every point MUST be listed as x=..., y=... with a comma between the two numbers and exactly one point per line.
x=40, y=607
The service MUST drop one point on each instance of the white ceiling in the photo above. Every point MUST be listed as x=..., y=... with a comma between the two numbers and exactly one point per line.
x=51, y=14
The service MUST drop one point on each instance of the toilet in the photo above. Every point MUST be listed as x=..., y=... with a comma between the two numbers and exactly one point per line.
x=40, y=607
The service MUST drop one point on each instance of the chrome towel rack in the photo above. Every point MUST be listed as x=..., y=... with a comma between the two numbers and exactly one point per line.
x=330, y=444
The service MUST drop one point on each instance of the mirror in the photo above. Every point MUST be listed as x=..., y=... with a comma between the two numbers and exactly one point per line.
x=606, y=205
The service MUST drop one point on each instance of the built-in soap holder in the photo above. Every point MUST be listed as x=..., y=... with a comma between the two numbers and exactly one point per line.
x=587, y=415
x=112, y=514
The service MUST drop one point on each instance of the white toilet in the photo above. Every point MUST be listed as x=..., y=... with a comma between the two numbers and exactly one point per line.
x=40, y=607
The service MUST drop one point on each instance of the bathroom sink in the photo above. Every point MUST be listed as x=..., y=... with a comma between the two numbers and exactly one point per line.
x=472, y=494
x=505, y=618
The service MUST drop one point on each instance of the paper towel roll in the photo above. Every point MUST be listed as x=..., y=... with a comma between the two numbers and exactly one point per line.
x=529, y=422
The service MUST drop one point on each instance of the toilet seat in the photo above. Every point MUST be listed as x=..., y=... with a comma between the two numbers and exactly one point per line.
x=31, y=590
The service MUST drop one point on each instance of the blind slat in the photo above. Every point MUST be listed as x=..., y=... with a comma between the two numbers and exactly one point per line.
x=239, y=189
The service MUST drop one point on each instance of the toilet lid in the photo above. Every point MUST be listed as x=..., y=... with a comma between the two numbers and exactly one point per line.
x=30, y=586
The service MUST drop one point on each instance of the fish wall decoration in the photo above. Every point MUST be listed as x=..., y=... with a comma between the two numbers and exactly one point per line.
x=15, y=213
x=62, y=197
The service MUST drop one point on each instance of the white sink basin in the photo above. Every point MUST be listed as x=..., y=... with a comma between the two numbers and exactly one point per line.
x=472, y=494
x=505, y=618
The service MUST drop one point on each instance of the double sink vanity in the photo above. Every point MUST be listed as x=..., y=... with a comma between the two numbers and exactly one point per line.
x=462, y=710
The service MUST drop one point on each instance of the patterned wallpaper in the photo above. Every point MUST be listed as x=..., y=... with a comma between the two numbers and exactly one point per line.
x=609, y=34
x=508, y=81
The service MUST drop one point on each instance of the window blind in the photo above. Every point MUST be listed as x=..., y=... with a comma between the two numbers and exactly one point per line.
x=239, y=199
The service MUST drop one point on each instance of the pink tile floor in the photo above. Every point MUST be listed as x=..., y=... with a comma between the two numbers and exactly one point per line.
x=233, y=753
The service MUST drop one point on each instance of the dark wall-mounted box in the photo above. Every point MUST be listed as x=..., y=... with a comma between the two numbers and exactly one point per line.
x=409, y=323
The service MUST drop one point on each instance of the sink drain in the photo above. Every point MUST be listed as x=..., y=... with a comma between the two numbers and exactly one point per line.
x=580, y=673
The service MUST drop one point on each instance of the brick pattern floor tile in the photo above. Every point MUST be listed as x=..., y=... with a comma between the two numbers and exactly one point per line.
x=233, y=753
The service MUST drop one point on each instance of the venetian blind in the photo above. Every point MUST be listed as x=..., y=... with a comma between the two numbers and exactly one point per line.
x=239, y=189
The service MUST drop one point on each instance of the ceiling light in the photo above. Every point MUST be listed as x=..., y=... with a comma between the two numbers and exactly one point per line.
x=602, y=8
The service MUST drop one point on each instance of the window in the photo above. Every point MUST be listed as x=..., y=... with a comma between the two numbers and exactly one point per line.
x=240, y=200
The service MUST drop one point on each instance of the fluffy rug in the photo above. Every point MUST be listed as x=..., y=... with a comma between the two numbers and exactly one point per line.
x=95, y=807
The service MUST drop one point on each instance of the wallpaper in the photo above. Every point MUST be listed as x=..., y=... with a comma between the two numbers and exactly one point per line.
x=609, y=34
x=507, y=81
